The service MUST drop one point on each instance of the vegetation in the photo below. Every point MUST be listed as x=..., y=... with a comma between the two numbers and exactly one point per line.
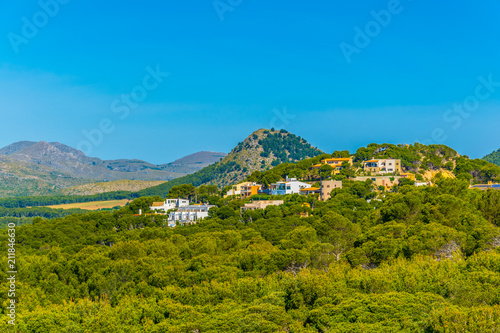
x=94, y=205
x=44, y=212
x=118, y=185
x=414, y=158
x=21, y=202
x=422, y=259
x=287, y=147
x=493, y=157
x=260, y=151
x=19, y=221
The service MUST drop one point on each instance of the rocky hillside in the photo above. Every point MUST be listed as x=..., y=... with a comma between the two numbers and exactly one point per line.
x=75, y=163
x=18, y=178
x=260, y=151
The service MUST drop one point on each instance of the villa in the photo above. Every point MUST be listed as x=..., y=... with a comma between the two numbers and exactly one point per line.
x=169, y=204
x=335, y=163
x=262, y=204
x=382, y=166
x=289, y=186
x=188, y=215
x=246, y=189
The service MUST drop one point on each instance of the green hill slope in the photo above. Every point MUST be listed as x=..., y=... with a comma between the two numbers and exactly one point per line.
x=493, y=157
x=19, y=178
x=117, y=185
x=262, y=150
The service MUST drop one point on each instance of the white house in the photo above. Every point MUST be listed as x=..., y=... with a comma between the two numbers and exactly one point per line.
x=289, y=186
x=382, y=166
x=169, y=204
x=188, y=214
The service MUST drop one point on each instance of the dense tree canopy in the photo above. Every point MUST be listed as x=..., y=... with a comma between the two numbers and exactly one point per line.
x=416, y=260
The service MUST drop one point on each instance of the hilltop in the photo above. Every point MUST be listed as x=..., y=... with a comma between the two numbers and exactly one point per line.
x=260, y=151
x=194, y=162
x=493, y=157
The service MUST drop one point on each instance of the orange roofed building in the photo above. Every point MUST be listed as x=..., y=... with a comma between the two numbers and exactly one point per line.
x=245, y=190
x=335, y=163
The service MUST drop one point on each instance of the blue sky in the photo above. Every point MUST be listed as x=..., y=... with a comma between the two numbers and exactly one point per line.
x=416, y=75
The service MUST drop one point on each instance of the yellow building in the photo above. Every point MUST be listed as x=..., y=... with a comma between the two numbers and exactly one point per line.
x=386, y=181
x=335, y=163
x=410, y=176
x=245, y=190
x=310, y=190
x=262, y=204
x=382, y=166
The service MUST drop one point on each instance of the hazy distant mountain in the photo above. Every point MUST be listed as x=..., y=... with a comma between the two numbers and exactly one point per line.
x=29, y=160
x=194, y=162
x=18, y=178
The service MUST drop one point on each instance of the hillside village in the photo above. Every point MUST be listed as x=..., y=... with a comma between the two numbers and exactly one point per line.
x=383, y=174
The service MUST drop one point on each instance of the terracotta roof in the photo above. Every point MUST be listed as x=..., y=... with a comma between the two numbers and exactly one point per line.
x=158, y=204
x=337, y=159
x=371, y=161
x=310, y=189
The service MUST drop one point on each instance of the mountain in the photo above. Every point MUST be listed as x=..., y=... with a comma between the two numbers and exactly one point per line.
x=194, y=162
x=39, y=168
x=260, y=151
x=15, y=147
x=493, y=157
x=74, y=162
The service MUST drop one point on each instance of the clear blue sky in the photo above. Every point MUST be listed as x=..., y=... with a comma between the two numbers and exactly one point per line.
x=266, y=63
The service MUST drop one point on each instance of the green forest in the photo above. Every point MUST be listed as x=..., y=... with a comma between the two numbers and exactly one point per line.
x=33, y=201
x=494, y=157
x=420, y=259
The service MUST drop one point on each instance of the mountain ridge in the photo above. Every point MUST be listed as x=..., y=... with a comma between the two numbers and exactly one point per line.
x=42, y=161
